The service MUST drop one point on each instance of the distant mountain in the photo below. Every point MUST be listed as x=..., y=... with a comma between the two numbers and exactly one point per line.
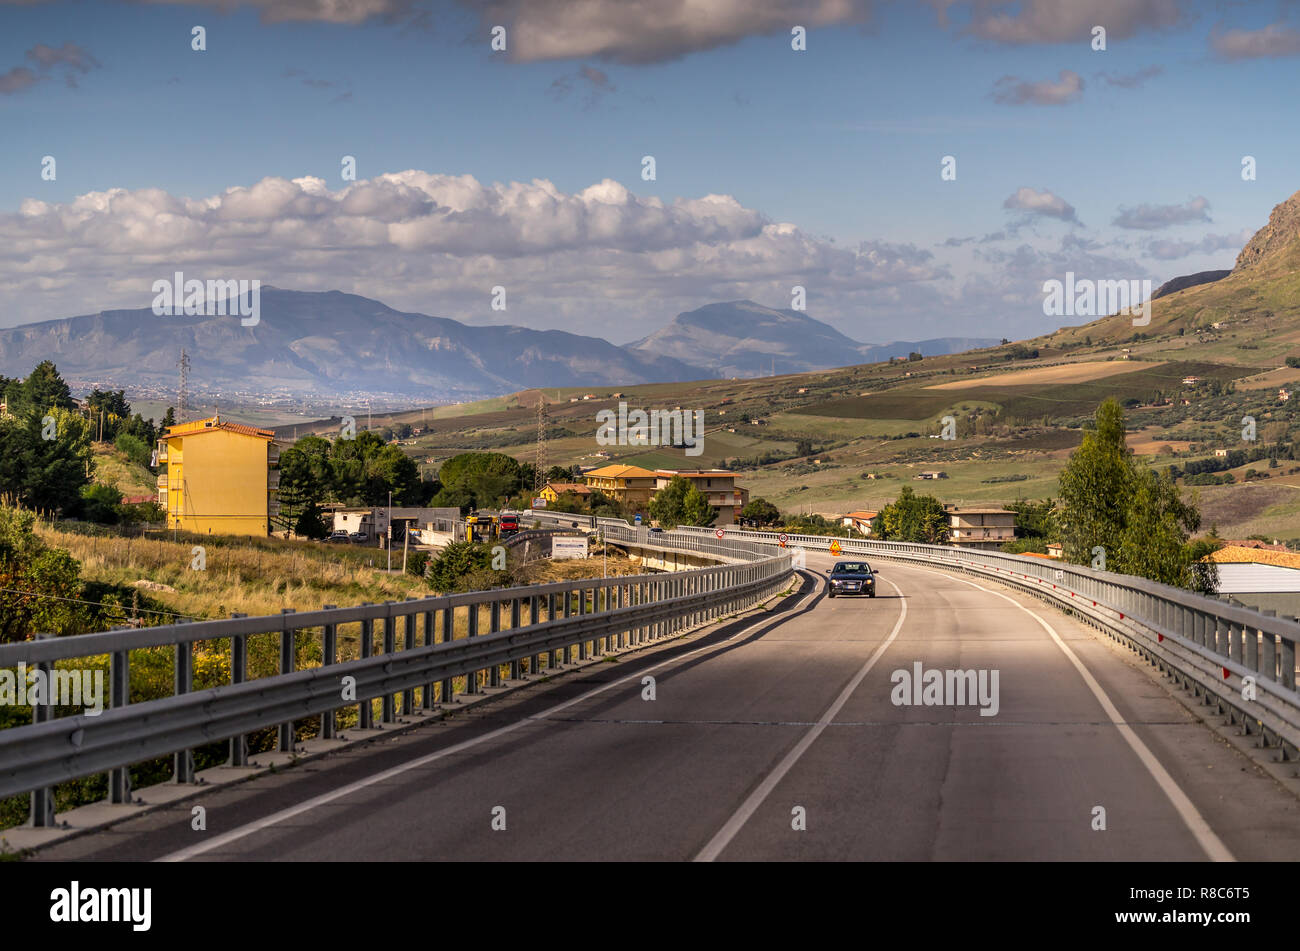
x=1258, y=299
x=1189, y=280
x=326, y=344
x=742, y=338
x=934, y=347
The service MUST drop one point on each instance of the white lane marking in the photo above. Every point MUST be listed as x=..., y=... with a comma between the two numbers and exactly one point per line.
x=1195, y=822
x=742, y=815
x=277, y=817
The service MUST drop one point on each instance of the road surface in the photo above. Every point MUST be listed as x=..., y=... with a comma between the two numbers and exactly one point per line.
x=767, y=724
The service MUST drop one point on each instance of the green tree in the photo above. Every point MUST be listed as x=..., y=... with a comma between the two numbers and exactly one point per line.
x=42, y=391
x=1096, y=485
x=913, y=518
x=680, y=503
x=40, y=473
x=760, y=512
x=485, y=477
x=169, y=418
x=101, y=503
x=306, y=477
x=37, y=583
x=310, y=522
x=1155, y=543
x=134, y=448
x=460, y=564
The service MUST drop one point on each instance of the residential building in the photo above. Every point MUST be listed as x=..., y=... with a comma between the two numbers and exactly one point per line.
x=980, y=527
x=718, y=486
x=931, y=474
x=859, y=521
x=221, y=478
x=553, y=490
x=630, y=485
x=1055, y=550
x=1221, y=453
x=379, y=522
x=1260, y=578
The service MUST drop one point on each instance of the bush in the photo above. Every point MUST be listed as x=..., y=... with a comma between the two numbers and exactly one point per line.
x=101, y=503
x=134, y=449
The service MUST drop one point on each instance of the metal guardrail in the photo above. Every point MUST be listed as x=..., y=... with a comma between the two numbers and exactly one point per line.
x=590, y=616
x=1242, y=660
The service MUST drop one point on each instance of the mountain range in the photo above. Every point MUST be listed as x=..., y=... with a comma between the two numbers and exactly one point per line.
x=332, y=344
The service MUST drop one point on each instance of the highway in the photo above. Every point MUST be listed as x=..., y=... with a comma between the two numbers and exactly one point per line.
x=770, y=722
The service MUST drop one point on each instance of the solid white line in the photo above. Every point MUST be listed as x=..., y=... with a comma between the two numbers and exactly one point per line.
x=325, y=798
x=742, y=815
x=1195, y=822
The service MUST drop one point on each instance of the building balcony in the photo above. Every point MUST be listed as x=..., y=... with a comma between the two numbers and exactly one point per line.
x=162, y=480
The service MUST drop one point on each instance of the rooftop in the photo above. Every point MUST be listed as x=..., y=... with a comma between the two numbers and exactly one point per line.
x=1238, y=554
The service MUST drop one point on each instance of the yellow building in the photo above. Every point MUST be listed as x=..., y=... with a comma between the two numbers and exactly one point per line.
x=631, y=485
x=221, y=477
x=553, y=490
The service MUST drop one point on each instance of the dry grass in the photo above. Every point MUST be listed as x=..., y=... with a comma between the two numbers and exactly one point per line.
x=1068, y=373
x=254, y=576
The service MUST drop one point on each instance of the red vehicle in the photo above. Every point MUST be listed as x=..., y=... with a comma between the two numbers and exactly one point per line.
x=509, y=525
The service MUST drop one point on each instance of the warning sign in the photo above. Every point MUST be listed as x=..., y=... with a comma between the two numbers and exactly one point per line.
x=835, y=549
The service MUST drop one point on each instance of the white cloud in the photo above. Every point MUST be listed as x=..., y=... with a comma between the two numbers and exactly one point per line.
x=651, y=31
x=1274, y=40
x=1042, y=202
x=593, y=261
x=1154, y=217
x=1012, y=91
x=1066, y=21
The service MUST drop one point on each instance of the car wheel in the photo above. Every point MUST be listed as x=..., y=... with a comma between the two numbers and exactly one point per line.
x=830, y=594
x=871, y=595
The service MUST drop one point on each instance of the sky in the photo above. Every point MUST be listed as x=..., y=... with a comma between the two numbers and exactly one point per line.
x=524, y=168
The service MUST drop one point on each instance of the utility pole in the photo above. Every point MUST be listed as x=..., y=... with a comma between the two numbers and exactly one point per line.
x=389, y=542
x=184, y=364
x=539, y=477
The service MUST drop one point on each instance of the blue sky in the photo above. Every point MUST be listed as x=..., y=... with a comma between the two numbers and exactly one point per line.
x=828, y=158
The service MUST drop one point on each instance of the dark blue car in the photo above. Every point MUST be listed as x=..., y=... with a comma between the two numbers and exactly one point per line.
x=852, y=577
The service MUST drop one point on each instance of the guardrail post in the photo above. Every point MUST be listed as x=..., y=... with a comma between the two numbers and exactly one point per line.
x=1251, y=637
x=550, y=616
x=1234, y=642
x=494, y=623
x=582, y=609
x=471, y=623
x=365, y=711
x=387, y=706
x=516, y=670
x=1286, y=676
x=42, y=800
x=408, y=643
x=426, y=699
x=182, y=683
x=119, y=695
x=238, y=674
x=448, y=689
x=1268, y=655
x=328, y=655
x=286, y=667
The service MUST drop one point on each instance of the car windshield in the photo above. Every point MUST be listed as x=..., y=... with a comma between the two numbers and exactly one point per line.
x=852, y=567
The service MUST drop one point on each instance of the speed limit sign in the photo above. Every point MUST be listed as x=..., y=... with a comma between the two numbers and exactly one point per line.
x=719, y=533
x=783, y=538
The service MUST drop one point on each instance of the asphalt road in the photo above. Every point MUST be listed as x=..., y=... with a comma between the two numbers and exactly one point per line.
x=773, y=722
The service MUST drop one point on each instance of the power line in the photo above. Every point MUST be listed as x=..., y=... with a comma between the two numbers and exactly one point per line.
x=105, y=604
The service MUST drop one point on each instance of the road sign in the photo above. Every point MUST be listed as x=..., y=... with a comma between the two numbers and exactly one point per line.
x=638, y=518
x=539, y=503
x=835, y=549
x=719, y=533
x=783, y=541
x=783, y=538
